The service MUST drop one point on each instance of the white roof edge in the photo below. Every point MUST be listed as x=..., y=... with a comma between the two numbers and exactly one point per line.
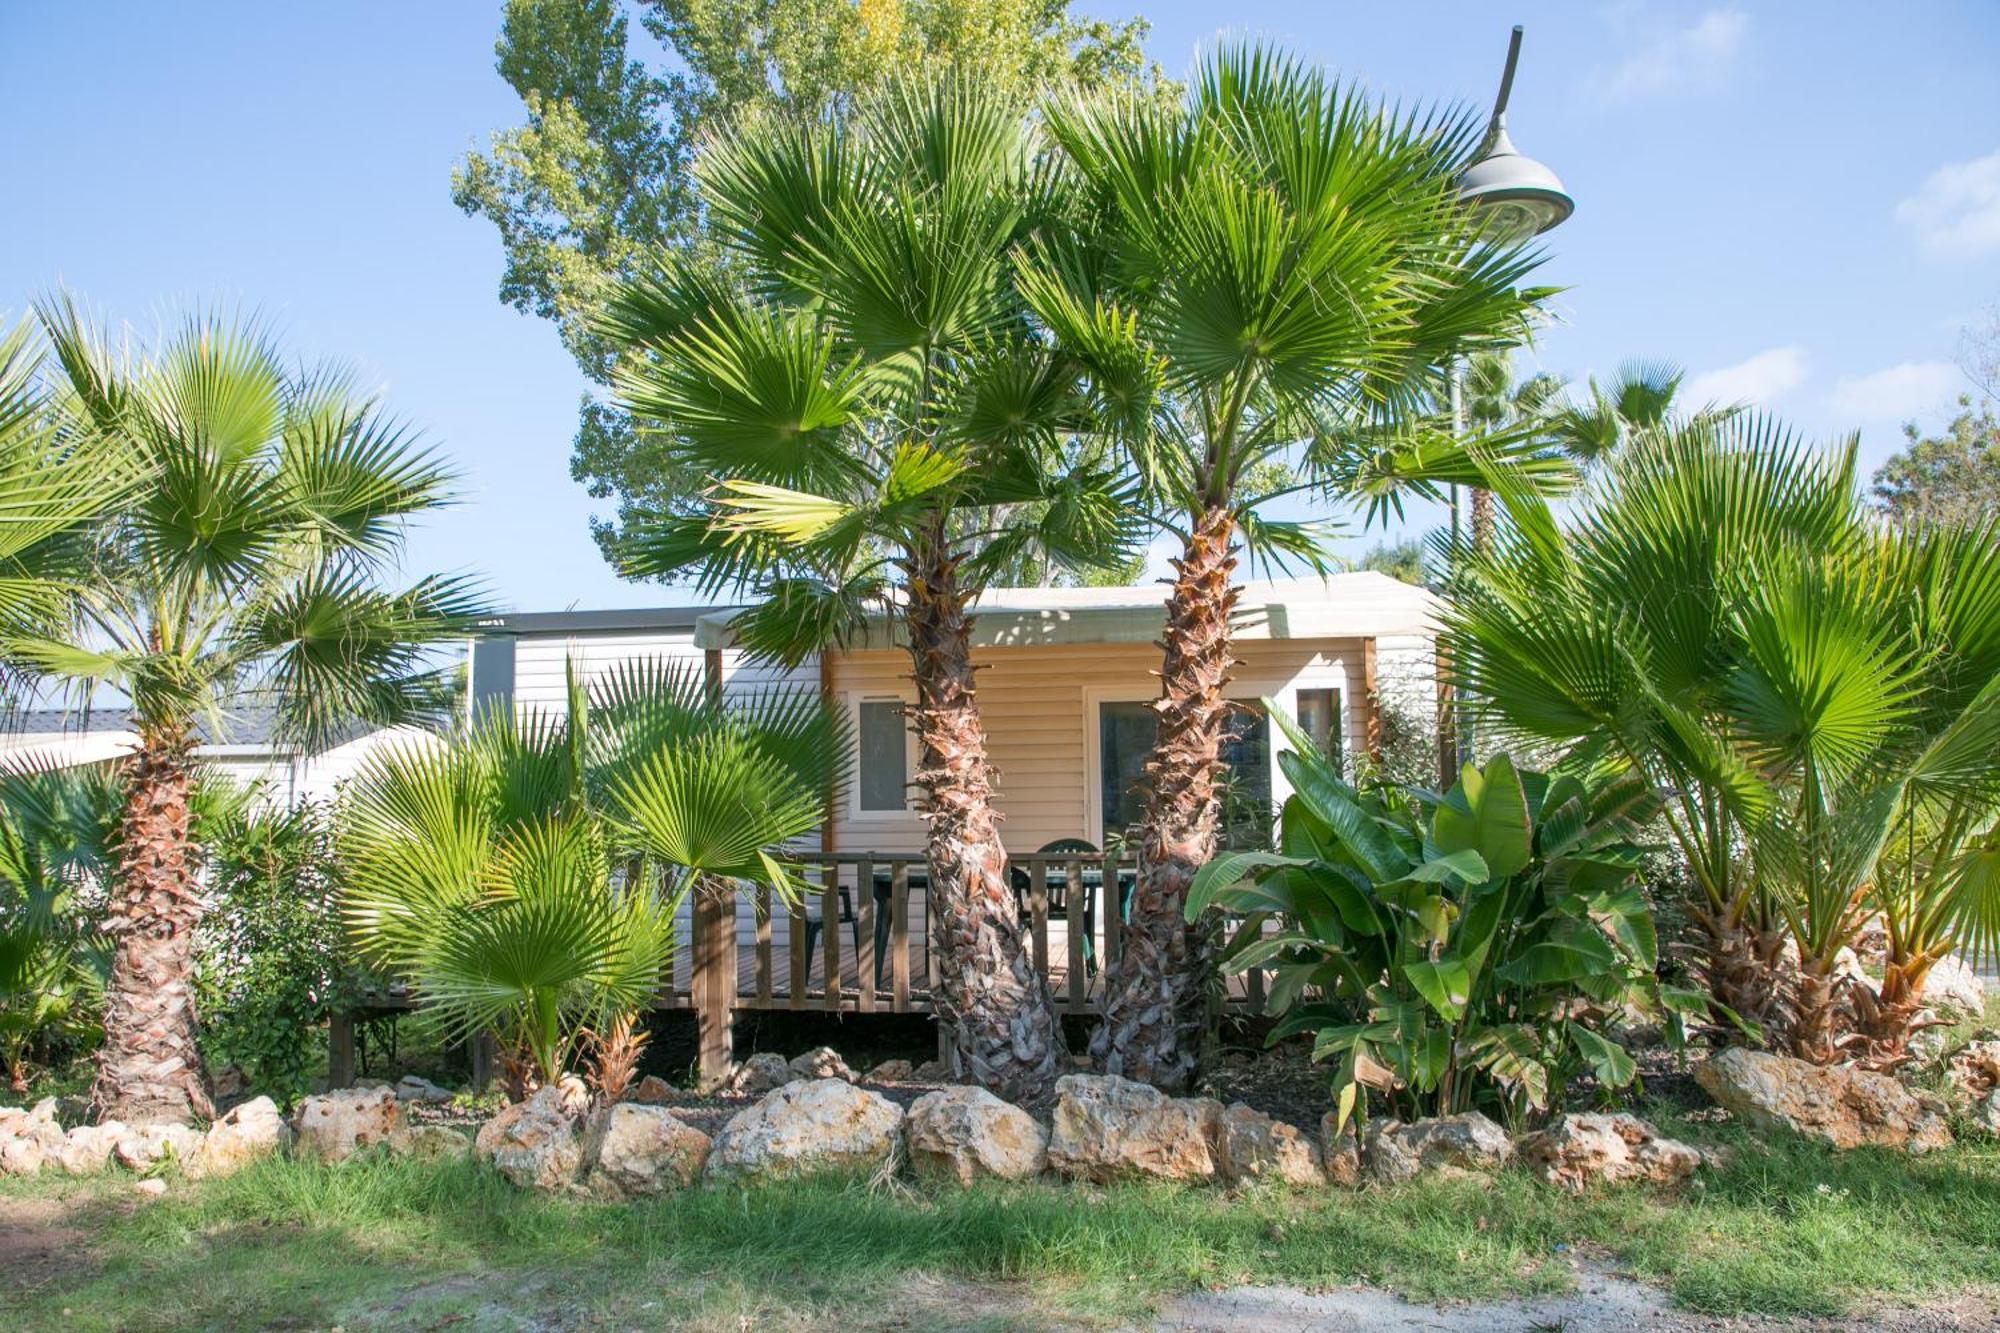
x=1362, y=605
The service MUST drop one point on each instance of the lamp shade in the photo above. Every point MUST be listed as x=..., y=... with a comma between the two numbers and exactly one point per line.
x=1516, y=195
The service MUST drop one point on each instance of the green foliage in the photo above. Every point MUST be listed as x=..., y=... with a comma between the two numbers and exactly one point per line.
x=1455, y=951
x=55, y=831
x=600, y=175
x=480, y=868
x=269, y=964
x=1277, y=270
x=1949, y=478
x=1400, y=560
x=245, y=559
x=867, y=391
x=1808, y=688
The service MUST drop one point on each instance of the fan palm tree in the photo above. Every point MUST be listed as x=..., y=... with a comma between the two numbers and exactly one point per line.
x=244, y=562
x=887, y=430
x=1494, y=401
x=1805, y=687
x=53, y=482
x=1275, y=271
x=480, y=867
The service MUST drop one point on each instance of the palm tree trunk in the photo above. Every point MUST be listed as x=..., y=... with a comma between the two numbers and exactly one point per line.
x=1155, y=998
x=992, y=1000
x=149, y=1070
x=1482, y=519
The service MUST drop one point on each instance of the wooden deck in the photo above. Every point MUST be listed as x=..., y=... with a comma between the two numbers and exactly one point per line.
x=864, y=918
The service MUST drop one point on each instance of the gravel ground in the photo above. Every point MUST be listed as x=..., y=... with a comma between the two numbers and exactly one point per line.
x=1601, y=1301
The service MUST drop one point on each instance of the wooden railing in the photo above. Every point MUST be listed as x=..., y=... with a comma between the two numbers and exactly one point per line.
x=858, y=942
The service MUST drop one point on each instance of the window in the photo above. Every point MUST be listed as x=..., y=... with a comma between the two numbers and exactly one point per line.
x=1125, y=735
x=1319, y=718
x=883, y=748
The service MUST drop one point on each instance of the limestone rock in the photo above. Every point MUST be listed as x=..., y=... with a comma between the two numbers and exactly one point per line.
x=891, y=1071
x=931, y=1071
x=152, y=1189
x=38, y=1124
x=964, y=1133
x=1253, y=1146
x=534, y=1143
x=758, y=1075
x=1953, y=990
x=21, y=1157
x=637, y=1150
x=411, y=1088
x=429, y=1143
x=1579, y=1150
x=143, y=1146
x=1973, y=1076
x=1340, y=1154
x=1109, y=1128
x=651, y=1090
x=251, y=1130
x=333, y=1126
x=821, y=1062
x=87, y=1149
x=822, y=1124
x=1467, y=1141
x=1841, y=1106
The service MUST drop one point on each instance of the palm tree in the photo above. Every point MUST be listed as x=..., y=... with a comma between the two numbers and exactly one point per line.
x=886, y=430
x=53, y=482
x=1274, y=271
x=1495, y=402
x=1641, y=396
x=244, y=563
x=1806, y=688
x=480, y=868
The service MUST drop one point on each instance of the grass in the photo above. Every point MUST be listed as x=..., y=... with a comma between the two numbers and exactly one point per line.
x=1781, y=1228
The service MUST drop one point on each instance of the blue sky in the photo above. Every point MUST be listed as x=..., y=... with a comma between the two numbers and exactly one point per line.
x=1798, y=201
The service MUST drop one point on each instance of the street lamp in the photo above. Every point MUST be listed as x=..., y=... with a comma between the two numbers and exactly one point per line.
x=1517, y=198
x=1518, y=195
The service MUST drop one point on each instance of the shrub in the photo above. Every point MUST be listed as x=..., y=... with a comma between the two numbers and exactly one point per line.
x=268, y=965
x=1469, y=949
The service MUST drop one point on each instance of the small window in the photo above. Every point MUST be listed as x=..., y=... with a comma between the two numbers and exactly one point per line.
x=884, y=755
x=1319, y=718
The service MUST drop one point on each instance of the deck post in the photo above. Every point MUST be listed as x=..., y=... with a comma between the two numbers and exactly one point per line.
x=714, y=981
x=1371, y=695
x=339, y=1050
x=485, y=1058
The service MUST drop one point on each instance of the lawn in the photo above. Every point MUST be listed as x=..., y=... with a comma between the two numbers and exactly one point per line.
x=1780, y=1228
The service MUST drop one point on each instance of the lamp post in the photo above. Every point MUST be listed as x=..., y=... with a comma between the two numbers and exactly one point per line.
x=1517, y=198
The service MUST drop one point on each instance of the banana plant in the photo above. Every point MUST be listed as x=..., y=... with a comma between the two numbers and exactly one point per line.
x=1456, y=950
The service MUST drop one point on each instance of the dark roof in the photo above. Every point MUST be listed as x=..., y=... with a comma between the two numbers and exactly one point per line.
x=595, y=622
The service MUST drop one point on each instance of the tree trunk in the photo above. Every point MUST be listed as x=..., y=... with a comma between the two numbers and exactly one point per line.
x=1482, y=519
x=993, y=1002
x=1155, y=999
x=149, y=1070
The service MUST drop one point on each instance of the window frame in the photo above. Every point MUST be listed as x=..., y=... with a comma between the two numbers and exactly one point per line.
x=857, y=814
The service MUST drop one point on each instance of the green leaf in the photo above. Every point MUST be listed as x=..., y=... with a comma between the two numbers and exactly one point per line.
x=1445, y=984
x=1609, y=1061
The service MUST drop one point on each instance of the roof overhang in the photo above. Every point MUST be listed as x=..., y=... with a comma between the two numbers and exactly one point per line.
x=1362, y=605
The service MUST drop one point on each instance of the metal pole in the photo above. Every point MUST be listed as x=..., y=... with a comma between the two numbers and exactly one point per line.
x=1460, y=726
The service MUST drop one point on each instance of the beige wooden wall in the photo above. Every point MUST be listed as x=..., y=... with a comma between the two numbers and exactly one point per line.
x=1034, y=702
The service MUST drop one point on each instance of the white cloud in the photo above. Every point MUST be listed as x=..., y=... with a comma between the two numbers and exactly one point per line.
x=1957, y=210
x=1759, y=380
x=1670, y=59
x=1898, y=393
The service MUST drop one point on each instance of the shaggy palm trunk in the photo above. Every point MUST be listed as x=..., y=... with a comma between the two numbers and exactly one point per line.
x=994, y=1003
x=149, y=1069
x=1156, y=997
x=1888, y=1015
x=1745, y=966
x=1482, y=519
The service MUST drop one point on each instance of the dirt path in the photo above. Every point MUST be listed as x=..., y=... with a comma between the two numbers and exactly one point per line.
x=1601, y=1302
